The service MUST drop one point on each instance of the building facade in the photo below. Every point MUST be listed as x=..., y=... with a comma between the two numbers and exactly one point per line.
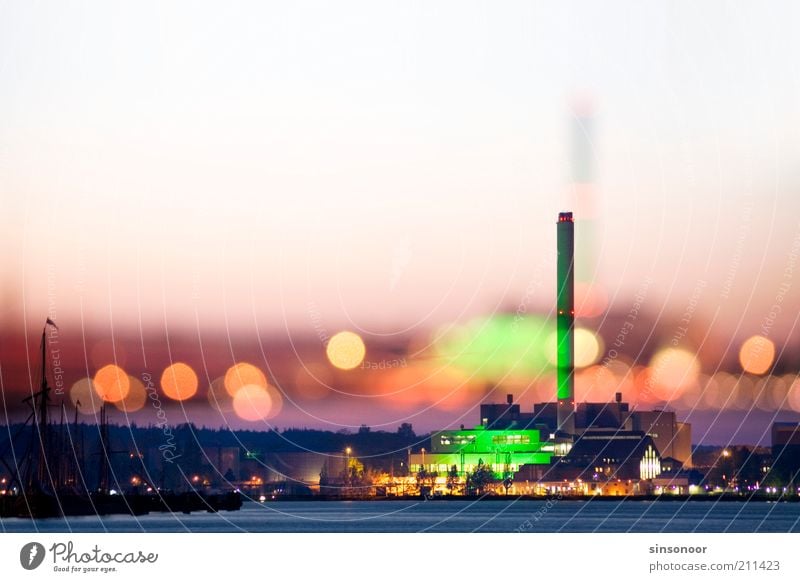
x=504, y=451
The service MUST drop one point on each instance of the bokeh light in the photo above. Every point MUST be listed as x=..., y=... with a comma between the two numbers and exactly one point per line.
x=587, y=347
x=600, y=383
x=112, y=383
x=276, y=401
x=422, y=384
x=346, y=350
x=491, y=349
x=243, y=374
x=136, y=397
x=218, y=396
x=794, y=394
x=771, y=393
x=741, y=398
x=312, y=382
x=84, y=396
x=717, y=389
x=179, y=382
x=757, y=354
x=252, y=403
x=405, y=387
x=672, y=371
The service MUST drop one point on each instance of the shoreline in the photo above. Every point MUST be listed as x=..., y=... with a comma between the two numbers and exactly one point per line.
x=582, y=498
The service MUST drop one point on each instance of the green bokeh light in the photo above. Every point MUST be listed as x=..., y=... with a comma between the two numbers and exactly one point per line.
x=496, y=347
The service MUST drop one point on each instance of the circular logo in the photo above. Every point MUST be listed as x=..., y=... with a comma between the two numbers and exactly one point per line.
x=31, y=555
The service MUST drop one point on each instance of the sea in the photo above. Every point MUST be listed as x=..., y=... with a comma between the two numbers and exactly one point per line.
x=434, y=515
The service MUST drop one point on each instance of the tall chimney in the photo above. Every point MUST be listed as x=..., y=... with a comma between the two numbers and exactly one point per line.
x=565, y=321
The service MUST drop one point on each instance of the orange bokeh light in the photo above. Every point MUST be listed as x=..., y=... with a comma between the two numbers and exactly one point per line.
x=243, y=374
x=600, y=383
x=179, y=382
x=135, y=398
x=218, y=397
x=312, y=382
x=757, y=354
x=672, y=371
x=793, y=398
x=112, y=383
x=426, y=384
x=252, y=403
x=84, y=396
x=276, y=400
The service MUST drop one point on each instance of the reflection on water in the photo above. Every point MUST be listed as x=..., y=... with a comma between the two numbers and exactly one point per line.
x=449, y=516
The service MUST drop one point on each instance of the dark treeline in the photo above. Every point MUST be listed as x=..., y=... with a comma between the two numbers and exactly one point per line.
x=167, y=455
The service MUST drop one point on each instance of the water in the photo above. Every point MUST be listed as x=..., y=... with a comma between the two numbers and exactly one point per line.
x=448, y=516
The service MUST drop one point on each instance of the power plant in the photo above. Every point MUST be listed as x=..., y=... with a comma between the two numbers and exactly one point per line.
x=593, y=448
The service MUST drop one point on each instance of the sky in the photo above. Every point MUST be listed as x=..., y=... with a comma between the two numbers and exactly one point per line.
x=392, y=166
x=284, y=152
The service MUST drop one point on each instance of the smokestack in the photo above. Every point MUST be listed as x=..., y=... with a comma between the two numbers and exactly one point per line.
x=565, y=321
x=510, y=398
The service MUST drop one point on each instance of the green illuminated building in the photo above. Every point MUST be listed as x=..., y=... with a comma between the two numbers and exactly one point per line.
x=502, y=450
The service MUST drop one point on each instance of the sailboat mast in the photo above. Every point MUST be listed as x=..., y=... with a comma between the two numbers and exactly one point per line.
x=104, y=451
x=42, y=466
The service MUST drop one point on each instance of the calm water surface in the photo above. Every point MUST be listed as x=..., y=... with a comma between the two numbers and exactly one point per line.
x=448, y=516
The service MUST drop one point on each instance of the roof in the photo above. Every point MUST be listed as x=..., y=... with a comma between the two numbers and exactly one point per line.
x=623, y=446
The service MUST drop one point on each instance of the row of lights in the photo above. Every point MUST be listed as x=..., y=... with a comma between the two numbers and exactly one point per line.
x=247, y=393
x=244, y=388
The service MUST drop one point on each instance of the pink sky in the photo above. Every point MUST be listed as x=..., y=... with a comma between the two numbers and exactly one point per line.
x=391, y=168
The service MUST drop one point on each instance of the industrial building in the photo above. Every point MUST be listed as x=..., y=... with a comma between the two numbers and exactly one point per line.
x=505, y=451
x=786, y=453
x=592, y=448
x=672, y=438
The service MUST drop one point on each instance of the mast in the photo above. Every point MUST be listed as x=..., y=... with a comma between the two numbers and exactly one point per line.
x=41, y=424
x=77, y=446
x=62, y=476
x=104, y=479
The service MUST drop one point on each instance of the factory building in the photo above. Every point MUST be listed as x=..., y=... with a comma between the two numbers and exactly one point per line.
x=505, y=451
x=302, y=466
x=592, y=448
x=624, y=463
x=603, y=457
x=671, y=437
x=786, y=452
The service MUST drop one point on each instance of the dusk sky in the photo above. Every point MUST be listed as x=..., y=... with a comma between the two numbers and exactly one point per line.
x=393, y=168
x=268, y=157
